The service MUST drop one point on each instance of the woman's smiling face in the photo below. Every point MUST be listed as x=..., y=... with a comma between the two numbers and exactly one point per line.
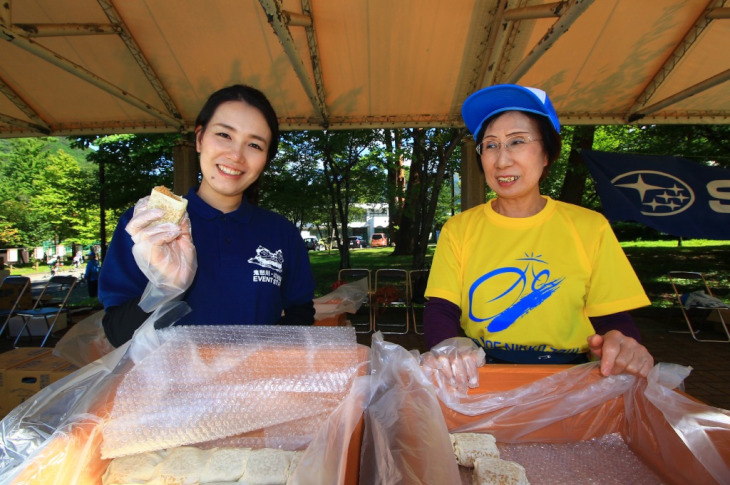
x=233, y=149
x=514, y=174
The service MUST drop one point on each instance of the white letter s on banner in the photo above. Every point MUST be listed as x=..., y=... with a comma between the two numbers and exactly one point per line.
x=714, y=188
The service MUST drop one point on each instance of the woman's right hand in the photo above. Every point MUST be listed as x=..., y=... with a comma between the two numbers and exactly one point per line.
x=454, y=364
x=163, y=252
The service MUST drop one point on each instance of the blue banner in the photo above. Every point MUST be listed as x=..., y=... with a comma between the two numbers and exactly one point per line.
x=670, y=194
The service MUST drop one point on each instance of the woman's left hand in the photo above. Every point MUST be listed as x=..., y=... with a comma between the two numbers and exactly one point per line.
x=620, y=354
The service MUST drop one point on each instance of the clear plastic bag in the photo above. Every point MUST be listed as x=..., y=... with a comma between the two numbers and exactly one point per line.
x=405, y=439
x=684, y=441
x=347, y=298
x=58, y=435
x=84, y=342
x=329, y=457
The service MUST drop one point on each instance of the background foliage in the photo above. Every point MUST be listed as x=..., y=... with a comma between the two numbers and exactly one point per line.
x=57, y=189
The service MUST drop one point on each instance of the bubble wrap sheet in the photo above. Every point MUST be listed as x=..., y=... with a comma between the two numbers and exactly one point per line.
x=603, y=461
x=265, y=385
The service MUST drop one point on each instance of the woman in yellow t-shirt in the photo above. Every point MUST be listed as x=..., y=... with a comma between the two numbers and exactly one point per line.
x=527, y=278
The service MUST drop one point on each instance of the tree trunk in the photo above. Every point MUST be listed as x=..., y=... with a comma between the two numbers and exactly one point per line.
x=338, y=210
x=396, y=182
x=405, y=236
x=428, y=211
x=574, y=183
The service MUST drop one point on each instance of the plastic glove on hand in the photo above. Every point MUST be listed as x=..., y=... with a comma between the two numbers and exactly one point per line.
x=454, y=363
x=163, y=252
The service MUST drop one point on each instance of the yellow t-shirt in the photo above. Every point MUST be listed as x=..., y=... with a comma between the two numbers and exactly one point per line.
x=531, y=283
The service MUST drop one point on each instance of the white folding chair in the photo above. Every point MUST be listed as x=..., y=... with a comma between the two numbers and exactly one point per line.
x=51, y=303
x=697, y=302
x=391, y=301
x=363, y=319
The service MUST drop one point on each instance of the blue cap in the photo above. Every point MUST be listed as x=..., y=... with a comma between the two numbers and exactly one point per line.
x=487, y=102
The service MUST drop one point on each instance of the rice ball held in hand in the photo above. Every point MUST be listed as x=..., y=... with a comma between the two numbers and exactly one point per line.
x=252, y=266
x=173, y=206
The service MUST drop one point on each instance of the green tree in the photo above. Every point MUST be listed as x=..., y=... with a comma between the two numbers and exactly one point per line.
x=435, y=153
x=340, y=160
x=293, y=184
x=391, y=154
x=133, y=164
x=700, y=143
x=43, y=192
x=342, y=155
x=128, y=167
x=449, y=199
x=9, y=235
x=56, y=198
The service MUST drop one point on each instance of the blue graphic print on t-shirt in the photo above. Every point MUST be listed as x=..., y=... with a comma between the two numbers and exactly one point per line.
x=529, y=290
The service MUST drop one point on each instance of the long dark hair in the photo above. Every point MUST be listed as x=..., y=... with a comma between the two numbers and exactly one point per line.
x=552, y=143
x=252, y=97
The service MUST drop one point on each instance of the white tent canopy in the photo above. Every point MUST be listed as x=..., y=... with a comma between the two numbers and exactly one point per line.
x=72, y=67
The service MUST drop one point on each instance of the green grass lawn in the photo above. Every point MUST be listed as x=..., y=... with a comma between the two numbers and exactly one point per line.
x=652, y=260
x=30, y=268
x=27, y=269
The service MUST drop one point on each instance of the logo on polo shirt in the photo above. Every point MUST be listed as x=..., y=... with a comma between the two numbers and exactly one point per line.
x=267, y=259
x=271, y=262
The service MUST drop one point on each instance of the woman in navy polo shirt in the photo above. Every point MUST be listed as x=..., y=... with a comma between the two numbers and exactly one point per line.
x=252, y=266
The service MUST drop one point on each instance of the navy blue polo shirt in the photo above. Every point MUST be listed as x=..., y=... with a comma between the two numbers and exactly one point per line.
x=252, y=264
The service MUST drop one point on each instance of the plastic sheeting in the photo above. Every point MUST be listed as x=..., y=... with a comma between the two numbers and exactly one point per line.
x=205, y=383
x=408, y=419
x=347, y=298
x=57, y=436
x=84, y=342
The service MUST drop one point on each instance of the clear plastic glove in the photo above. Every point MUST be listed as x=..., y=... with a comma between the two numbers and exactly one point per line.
x=164, y=253
x=454, y=364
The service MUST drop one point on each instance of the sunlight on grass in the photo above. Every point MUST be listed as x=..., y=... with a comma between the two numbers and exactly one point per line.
x=689, y=243
x=652, y=260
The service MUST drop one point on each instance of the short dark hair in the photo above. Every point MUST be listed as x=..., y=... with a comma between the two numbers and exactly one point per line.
x=552, y=143
x=252, y=97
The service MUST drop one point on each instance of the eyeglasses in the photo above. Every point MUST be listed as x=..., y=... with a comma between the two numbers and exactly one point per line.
x=513, y=145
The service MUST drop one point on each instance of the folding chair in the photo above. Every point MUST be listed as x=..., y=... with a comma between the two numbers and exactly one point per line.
x=697, y=302
x=391, y=301
x=14, y=296
x=363, y=319
x=417, y=280
x=50, y=304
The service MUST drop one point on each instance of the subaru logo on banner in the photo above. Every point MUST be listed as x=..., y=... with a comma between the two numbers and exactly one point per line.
x=670, y=194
